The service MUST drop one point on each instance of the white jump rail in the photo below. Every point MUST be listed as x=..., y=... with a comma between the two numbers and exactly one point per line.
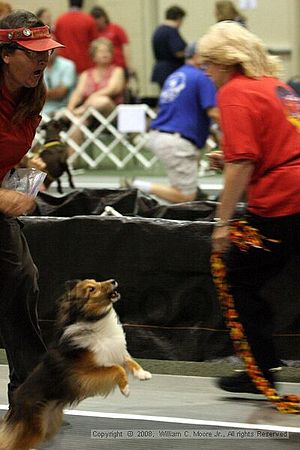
x=105, y=137
x=107, y=140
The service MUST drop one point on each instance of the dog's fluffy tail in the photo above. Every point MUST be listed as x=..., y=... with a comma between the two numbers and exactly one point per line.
x=26, y=428
x=16, y=437
x=20, y=435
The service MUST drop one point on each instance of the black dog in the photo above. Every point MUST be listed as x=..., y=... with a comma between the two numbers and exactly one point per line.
x=55, y=153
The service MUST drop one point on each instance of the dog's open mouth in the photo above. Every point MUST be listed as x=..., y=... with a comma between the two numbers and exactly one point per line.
x=114, y=295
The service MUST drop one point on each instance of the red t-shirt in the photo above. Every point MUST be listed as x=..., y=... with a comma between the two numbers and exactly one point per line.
x=260, y=121
x=118, y=36
x=15, y=139
x=76, y=30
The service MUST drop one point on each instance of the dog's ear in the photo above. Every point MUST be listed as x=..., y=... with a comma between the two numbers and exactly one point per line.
x=51, y=115
x=63, y=123
x=44, y=126
x=70, y=284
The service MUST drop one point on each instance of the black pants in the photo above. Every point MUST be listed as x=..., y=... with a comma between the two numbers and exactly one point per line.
x=20, y=333
x=247, y=273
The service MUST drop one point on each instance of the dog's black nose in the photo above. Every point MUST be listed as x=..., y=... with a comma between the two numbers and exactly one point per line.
x=113, y=282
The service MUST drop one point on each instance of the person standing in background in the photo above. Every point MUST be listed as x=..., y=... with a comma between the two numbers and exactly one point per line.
x=76, y=30
x=168, y=45
x=226, y=10
x=44, y=14
x=5, y=9
x=116, y=34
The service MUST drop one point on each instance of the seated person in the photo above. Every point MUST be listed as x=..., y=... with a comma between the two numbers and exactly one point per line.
x=60, y=78
x=101, y=86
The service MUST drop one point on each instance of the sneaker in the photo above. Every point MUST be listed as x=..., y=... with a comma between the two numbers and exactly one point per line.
x=240, y=383
x=201, y=195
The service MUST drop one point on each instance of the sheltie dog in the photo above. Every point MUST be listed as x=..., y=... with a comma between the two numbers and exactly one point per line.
x=88, y=357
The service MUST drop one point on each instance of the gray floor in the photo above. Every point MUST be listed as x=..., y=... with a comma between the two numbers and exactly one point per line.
x=187, y=405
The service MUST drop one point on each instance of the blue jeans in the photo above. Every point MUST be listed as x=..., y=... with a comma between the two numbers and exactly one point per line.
x=248, y=271
x=20, y=333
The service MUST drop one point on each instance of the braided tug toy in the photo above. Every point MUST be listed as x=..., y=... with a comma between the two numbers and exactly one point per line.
x=245, y=236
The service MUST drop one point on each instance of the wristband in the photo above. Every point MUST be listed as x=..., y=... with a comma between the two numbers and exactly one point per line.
x=221, y=223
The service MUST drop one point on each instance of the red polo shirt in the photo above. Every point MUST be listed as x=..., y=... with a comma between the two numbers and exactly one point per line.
x=76, y=30
x=15, y=139
x=260, y=121
x=118, y=36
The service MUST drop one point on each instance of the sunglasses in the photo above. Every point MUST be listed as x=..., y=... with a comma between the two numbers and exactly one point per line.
x=32, y=54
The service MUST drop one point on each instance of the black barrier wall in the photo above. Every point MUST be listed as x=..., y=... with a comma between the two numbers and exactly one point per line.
x=168, y=305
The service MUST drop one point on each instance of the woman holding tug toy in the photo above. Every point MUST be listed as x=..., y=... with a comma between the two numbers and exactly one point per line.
x=259, y=119
x=25, y=46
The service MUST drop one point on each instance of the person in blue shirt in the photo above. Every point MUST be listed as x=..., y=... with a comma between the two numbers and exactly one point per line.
x=60, y=79
x=168, y=46
x=186, y=106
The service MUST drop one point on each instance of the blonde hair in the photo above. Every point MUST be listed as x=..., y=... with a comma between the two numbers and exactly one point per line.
x=96, y=43
x=231, y=44
x=226, y=10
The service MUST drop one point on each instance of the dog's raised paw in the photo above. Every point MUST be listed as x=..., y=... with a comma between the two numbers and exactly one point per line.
x=126, y=391
x=142, y=374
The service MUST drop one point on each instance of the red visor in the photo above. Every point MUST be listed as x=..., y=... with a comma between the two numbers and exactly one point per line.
x=37, y=39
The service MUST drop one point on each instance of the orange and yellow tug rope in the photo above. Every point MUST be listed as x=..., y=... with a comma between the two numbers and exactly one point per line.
x=245, y=236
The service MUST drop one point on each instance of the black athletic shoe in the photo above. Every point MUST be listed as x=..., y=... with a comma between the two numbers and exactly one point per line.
x=201, y=195
x=241, y=383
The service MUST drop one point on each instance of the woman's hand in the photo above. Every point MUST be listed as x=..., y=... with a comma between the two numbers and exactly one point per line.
x=216, y=160
x=36, y=162
x=13, y=203
x=79, y=110
x=220, y=239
